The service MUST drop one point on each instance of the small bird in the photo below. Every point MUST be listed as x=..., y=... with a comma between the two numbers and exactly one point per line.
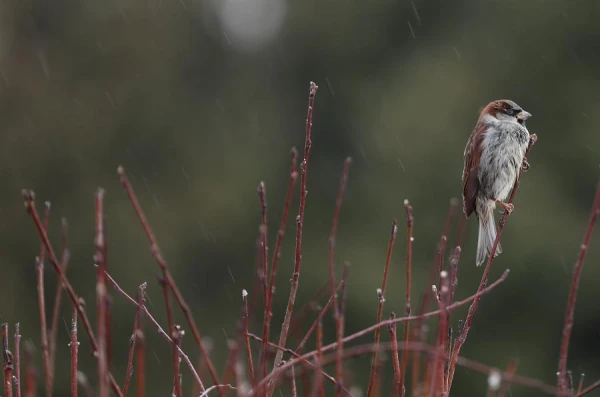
x=494, y=155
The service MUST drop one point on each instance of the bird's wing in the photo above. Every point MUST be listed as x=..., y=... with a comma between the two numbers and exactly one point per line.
x=472, y=156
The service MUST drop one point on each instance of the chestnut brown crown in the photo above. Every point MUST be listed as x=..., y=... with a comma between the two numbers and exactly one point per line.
x=505, y=108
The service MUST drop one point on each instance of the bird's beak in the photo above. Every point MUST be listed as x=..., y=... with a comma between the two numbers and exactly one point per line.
x=523, y=115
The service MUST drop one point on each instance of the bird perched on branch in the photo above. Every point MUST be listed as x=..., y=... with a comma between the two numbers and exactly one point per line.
x=494, y=156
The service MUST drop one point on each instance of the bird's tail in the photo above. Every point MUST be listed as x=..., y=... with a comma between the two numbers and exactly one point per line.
x=487, y=230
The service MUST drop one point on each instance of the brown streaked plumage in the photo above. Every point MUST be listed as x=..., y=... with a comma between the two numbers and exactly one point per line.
x=493, y=156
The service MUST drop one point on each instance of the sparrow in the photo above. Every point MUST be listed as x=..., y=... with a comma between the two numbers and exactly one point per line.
x=493, y=158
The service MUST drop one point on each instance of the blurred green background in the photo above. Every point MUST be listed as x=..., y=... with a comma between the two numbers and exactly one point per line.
x=201, y=100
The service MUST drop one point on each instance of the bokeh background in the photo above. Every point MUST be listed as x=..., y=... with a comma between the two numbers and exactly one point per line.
x=201, y=100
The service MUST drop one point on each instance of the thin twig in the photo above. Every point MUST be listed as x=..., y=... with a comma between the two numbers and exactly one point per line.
x=299, y=228
x=30, y=372
x=220, y=388
x=159, y=329
x=132, y=341
x=294, y=391
x=300, y=317
x=341, y=329
x=381, y=300
x=28, y=197
x=7, y=359
x=396, y=389
x=360, y=350
x=319, y=388
x=332, y=242
x=407, y=310
x=101, y=295
x=64, y=260
x=308, y=364
x=74, y=351
x=580, y=387
x=262, y=274
x=570, y=314
x=418, y=333
x=438, y=374
x=460, y=340
x=320, y=315
x=39, y=272
x=589, y=389
x=284, y=366
x=17, y=363
x=140, y=363
x=278, y=246
x=510, y=372
x=232, y=360
x=168, y=278
x=176, y=336
x=246, y=320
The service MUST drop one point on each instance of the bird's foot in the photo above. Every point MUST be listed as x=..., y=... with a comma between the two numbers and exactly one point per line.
x=508, y=207
x=525, y=166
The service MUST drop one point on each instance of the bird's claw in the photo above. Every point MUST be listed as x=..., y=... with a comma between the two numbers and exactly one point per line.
x=525, y=166
x=508, y=207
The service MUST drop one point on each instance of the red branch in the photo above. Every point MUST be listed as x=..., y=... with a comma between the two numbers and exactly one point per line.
x=263, y=269
x=277, y=252
x=17, y=364
x=569, y=316
x=7, y=359
x=39, y=272
x=101, y=295
x=299, y=228
x=246, y=319
x=30, y=372
x=460, y=340
x=140, y=363
x=409, y=241
x=337, y=316
x=74, y=349
x=64, y=260
x=28, y=197
x=284, y=366
x=396, y=389
x=381, y=297
x=168, y=278
x=137, y=325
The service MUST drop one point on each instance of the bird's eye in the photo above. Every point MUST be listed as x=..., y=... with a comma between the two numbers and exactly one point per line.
x=511, y=112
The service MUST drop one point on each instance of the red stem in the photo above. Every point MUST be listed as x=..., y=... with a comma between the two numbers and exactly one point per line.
x=396, y=389
x=156, y=253
x=284, y=366
x=409, y=242
x=381, y=294
x=159, y=329
x=17, y=363
x=460, y=340
x=7, y=359
x=74, y=349
x=247, y=339
x=277, y=251
x=30, y=373
x=570, y=314
x=177, y=335
x=101, y=295
x=263, y=269
x=28, y=196
x=140, y=363
x=299, y=228
x=64, y=262
x=337, y=317
x=132, y=341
